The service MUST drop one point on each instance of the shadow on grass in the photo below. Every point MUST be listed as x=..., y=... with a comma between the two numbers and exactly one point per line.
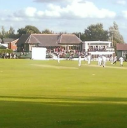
x=63, y=115
x=86, y=98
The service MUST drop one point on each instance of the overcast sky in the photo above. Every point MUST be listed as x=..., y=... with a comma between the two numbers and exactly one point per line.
x=64, y=15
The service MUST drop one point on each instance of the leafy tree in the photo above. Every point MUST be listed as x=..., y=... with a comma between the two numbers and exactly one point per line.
x=28, y=30
x=2, y=34
x=7, y=34
x=21, y=31
x=31, y=29
x=47, y=31
x=115, y=35
x=80, y=35
x=95, y=33
x=11, y=31
x=3, y=31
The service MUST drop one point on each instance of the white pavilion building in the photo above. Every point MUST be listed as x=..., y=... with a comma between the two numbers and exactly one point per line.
x=96, y=48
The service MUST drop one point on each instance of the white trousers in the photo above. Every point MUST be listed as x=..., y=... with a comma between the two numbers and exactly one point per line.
x=79, y=63
x=121, y=62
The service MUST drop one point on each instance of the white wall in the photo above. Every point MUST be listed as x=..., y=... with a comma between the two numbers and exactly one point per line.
x=86, y=46
x=38, y=53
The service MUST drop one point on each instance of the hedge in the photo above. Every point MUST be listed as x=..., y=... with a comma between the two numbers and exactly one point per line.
x=6, y=51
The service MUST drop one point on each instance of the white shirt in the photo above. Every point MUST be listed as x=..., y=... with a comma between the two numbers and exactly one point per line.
x=104, y=58
x=89, y=57
x=121, y=59
x=99, y=59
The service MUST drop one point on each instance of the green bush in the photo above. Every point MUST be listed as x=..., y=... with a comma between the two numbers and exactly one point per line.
x=5, y=51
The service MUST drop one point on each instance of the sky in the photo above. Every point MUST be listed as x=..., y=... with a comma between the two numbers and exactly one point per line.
x=64, y=15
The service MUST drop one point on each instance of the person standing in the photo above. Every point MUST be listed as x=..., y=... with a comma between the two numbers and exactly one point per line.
x=79, y=60
x=89, y=58
x=121, y=61
x=103, y=61
x=115, y=60
x=58, y=58
x=111, y=59
x=84, y=56
x=99, y=60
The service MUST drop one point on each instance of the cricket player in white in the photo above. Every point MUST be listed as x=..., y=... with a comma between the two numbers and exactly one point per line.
x=111, y=59
x=121, y=61
x=115, y=60
x=99, y=60
x=89, y=59
x=58, y=58
x=103, y=60
x=79, y=60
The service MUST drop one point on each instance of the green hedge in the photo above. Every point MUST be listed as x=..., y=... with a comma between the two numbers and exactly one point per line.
x=6, y=51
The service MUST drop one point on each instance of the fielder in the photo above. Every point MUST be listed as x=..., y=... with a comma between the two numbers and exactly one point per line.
x=121, y=61
x=58, y=58
x=103, y=61
x=79, y=61
x=111, y=59
x=115, y=60
x=89, y=59
x=99, y=60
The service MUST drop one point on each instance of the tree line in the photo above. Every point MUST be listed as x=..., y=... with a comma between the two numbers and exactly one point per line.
x=94, y=32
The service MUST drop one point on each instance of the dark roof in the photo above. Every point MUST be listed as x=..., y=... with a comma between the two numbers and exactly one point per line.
x=69, y=39
x=49, y=39
x=46, y=39
x=15, y=41
x=121, y=46
x=23, y=39
x=8, y=40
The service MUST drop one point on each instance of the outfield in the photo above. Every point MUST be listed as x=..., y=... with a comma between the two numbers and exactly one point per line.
x=45, y=94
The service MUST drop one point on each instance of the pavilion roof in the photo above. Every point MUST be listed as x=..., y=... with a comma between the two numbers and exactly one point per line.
x=49, y=39
x=121, y=46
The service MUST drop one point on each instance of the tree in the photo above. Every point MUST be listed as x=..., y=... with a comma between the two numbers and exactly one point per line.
x=2, y=34
x=21, y=31
x=47, y=31
x=28, y=30
x=95, y=33
x=3, y=31
x=7, y=34
x=115, y=35
x=31, y=29
x=80, y=35
x=11, y=31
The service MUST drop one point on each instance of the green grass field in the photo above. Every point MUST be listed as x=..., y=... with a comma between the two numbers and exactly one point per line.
x=45, y=94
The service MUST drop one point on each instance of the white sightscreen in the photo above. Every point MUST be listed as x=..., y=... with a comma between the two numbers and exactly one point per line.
x=38, y=53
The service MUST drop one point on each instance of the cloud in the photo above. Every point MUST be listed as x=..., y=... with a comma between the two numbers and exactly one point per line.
x=124, y=14
x=54, y=1
x=87, y=10
x=60, y=2
x=76, y=9
x=27, y=13
x=122, y=2
x=30, y=11
x=80, y=9
x=47, y=1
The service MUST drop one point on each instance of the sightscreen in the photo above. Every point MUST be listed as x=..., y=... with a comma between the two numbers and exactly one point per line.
x=38, y=53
